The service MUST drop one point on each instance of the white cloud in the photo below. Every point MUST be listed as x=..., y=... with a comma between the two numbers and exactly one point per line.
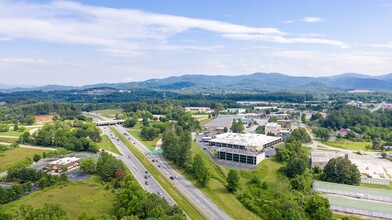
x=386, y=45
x=312, y=19
x=121, y=32
x=281, y=39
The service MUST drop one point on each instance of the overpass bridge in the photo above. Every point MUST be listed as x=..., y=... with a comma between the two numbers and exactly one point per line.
x=109, y=122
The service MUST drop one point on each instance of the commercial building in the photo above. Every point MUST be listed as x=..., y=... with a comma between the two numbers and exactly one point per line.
x=244, y=148
x=199, y=109
x=320, y=159
x=236, y=110
x=66, y=162
x=376, y=194
x=360, y=207
x=272, y=128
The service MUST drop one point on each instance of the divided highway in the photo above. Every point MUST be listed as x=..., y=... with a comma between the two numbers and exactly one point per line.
x=210, y=209
x=137, y=169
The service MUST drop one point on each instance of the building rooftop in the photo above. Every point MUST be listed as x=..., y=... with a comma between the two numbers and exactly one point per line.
x=64, y=161
x=244, y=139
x=350, y=188
x=360, y=204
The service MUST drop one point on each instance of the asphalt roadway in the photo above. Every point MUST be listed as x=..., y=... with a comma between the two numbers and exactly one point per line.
x=204, y=204
x=137, y=169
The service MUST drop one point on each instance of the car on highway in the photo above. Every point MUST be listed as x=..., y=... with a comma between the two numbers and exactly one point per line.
x=146, y=172
x=153, y=160
x=159, y=165
x=146, y=182
x=159, y=193
x=145, y=177
x=172, y=178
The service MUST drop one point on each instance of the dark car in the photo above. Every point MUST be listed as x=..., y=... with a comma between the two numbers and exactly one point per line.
x=153, y=160
x=146, y=172
x=172, y=178
x=145, y=177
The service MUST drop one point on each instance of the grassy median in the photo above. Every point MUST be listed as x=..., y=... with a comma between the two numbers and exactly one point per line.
x=180, y=199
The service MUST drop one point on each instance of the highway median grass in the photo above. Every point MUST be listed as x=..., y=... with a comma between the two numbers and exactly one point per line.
x=106, y=144
x=180, y=199
x=135, y=131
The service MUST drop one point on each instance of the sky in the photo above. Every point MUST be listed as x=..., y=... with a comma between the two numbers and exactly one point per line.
x=99, y=41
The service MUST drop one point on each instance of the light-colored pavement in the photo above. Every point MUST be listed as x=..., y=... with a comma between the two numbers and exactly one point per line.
x=370, y=163
x=210, y=209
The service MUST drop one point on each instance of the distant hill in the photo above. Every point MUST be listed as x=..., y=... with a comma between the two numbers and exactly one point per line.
x=252, y=82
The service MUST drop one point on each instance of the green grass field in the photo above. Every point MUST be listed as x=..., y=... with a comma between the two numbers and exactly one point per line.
x=11, y=156
x=135, y=131
x=75, y=198
x=106, y=144
x=182, y=201
x=205, y=121
x=8, y=140
x=110, y=113
x=350, y=217
x=349, y=145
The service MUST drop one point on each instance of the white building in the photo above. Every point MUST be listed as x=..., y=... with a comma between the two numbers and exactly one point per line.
x=236, y=110
x=199, y=109
x=244, y=148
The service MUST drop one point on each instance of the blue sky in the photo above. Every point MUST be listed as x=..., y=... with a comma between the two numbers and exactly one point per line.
x=95, y=41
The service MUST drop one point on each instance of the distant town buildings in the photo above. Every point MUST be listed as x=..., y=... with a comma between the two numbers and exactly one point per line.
x=199, y=109
x=236, y=110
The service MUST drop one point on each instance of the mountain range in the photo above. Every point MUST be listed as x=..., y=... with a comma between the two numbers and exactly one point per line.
x=252, y=82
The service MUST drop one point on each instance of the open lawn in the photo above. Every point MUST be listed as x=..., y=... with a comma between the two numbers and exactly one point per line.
x=110, y=113
x=216, y=190
x=11, y=132
x=8, y=139
x=135, y=131
x=106, y=144
x=75, y=198
x=11, y=156
x=182, y=201
x=349, y=145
